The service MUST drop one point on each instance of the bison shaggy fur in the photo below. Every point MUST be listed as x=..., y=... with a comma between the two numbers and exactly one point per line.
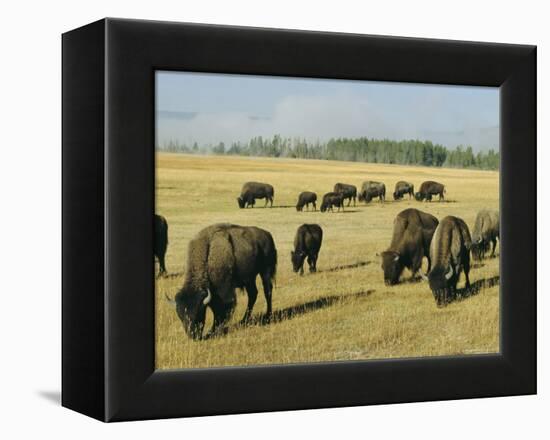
x=412, y=235
x=307, y=243
x=222, y=258
x=486, y=231
x=304, y=199
x=255, y=190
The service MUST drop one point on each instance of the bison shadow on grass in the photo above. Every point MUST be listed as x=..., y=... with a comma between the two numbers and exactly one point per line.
x=474, y=289
x=295, y=311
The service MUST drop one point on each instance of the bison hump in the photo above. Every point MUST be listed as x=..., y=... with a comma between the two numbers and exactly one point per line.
x=221, y=264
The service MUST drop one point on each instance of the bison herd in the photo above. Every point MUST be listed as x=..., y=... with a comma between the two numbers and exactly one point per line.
x=341, y=192
x=225, y=257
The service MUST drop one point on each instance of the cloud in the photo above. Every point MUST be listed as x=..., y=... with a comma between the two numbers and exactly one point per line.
x=324, y=117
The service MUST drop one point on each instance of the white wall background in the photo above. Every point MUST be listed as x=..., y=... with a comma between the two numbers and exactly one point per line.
x=30, y=233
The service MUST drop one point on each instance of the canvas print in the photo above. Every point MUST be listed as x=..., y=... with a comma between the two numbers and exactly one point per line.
x=303, y=220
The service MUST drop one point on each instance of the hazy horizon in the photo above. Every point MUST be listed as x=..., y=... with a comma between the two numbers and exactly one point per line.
x=212, y=108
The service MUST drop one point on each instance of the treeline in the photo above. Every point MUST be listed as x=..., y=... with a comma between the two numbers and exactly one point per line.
x=407, y=152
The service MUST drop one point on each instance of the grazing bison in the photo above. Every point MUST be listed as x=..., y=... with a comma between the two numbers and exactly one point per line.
x=412, y=234
x=429, y=189
x=486, y=231
x=221, y=258
x=450, y=255
x=402, y=188
x=348, y=191
x=304, y=199
x=255, y=190
x=332, y=199
x=370, y=190
x=307, y=243
x=161, y=242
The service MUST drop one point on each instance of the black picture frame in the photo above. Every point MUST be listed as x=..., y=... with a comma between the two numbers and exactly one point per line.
x=108, y=202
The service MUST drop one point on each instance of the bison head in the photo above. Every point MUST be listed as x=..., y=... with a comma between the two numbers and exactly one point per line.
x=392, y=267
x=419, y=196
x=297, y=259
x=241, y=202
x=299, y=207
x=191, y=310
x=361, y=196
x=396, y=195
x=442, y=284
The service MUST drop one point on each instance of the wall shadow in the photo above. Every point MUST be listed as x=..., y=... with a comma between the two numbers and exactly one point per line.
x=51, y=396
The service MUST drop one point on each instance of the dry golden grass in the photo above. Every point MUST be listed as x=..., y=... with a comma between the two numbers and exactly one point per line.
x=349, y=313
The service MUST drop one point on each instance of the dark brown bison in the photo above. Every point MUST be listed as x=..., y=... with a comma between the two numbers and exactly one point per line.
x=370, y=190
x=402, y=188
x=348, y=191
x=450, y=255
x=332, y=199
x=486, y=231
x=161, y=242
x=255, y=190
x=307, y=243
x=412, y=235
x=304, y=199
x=221, y=258
x=429, y=189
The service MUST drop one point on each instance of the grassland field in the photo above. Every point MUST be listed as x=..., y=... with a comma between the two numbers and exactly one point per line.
x=344, y=311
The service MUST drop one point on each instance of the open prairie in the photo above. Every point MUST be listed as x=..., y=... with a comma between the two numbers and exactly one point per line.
x=344, y=311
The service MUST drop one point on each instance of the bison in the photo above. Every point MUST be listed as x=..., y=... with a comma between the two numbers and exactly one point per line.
x=402, y=188
x=348, y=191
x=370, y=190
x=412, y=234
x=486, y=231
x=307, y=243
x=161, y=242
x=332, y=199
x=304, y=199
x=429, y=189
x=221, y=258
x=450, y=255
x=255, y=190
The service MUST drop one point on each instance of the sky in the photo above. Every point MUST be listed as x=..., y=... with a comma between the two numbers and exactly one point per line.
x=212, y=108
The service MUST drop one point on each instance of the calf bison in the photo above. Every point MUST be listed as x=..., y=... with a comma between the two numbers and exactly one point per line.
x=304, y=199
x=255, y=190
x=332, y=199
x=412, y=234
x=429, y=189
x=307, y=243
x=402, y=188
x=348, y=191
x=370, y=190
x=486, y=231
x=450, y=255
x=221, y=258
x=161, y=242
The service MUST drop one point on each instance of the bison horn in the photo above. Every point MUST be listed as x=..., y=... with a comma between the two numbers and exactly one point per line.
x=424, y=276
x=396, y=258
x=208, y=298
x=449, y=273
x=170, y=300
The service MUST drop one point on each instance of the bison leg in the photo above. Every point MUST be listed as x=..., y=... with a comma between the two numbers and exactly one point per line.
x=349, y=201
x=312, y=261
x=494, y=240
x=314, y=206
x=162, y=267
x=252, y=291
x=222, y=314
x=268, y=288
x=271, y=202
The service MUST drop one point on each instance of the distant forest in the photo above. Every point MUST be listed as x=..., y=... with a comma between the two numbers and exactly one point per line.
x=407, y=152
